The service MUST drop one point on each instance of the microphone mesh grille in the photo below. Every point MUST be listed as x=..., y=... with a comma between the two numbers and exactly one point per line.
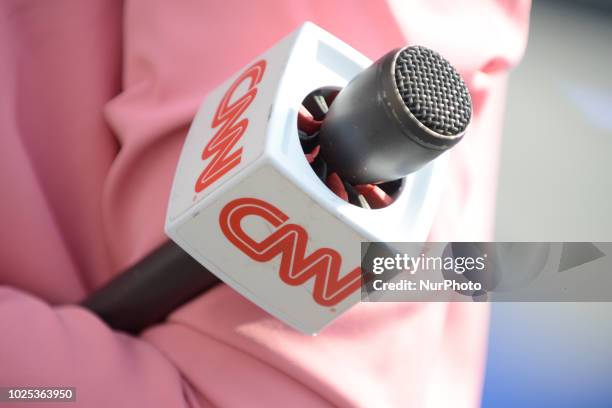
x=433, y=91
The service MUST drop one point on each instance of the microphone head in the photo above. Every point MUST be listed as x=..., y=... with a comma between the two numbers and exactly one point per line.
x=396, y=116
x=433, y=91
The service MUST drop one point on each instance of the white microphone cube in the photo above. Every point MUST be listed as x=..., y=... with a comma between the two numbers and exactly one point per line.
x=246, y=204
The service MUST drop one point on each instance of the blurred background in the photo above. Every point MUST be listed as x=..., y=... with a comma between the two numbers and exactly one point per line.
x=555, y=184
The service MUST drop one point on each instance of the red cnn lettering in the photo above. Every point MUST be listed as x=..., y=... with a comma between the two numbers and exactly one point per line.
x=289, y=241
x=230, y=128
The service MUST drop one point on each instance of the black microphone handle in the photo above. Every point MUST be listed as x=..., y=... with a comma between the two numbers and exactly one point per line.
x=150, y=290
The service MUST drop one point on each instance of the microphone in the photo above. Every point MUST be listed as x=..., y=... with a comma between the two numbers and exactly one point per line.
x=396, y=116
x=288, y=166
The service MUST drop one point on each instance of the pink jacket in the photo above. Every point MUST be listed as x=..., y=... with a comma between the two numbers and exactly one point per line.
x=96, y=97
